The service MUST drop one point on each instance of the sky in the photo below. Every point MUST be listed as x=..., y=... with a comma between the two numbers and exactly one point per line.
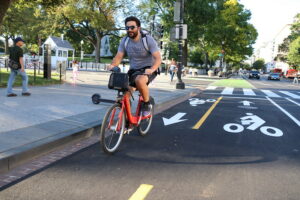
x=270, y=16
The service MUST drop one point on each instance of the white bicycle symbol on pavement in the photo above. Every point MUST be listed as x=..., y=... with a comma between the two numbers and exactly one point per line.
x=254, y=123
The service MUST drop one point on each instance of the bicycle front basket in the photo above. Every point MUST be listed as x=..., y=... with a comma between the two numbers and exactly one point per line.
x=118, y=81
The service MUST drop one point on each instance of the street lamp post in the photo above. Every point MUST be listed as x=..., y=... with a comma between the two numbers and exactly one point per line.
x=81, y=53
x=180, y=84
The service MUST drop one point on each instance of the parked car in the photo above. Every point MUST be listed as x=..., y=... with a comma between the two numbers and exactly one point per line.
x=254, y=74
x=274, y=76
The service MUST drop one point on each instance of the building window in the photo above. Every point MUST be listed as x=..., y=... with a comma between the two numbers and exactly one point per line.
x=65, y=54
x=53, y=52
x=59, y=53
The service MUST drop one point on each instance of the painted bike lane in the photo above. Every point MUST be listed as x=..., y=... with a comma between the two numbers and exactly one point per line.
x=257, y=121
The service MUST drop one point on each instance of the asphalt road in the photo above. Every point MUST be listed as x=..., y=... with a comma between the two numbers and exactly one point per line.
x=224, y=146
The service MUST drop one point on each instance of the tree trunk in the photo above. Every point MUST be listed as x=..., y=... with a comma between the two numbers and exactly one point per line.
x=97, y=48
x=6, y=45
x=4, y=5
x=206, y=60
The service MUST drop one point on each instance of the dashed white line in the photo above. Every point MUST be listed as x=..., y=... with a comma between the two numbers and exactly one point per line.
x=290, y=94
x=285, y=112
x=228, y=90
x=298, y=104
x=211, y=87
x=269, y=93
x=248, y=92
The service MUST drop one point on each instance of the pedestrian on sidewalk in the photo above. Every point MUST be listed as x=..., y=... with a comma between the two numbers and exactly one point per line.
x=172, y=69
x=16, y=65
x=75, y=67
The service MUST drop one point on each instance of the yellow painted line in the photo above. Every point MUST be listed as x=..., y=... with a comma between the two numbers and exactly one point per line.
x=203, y=118
x=141, y=192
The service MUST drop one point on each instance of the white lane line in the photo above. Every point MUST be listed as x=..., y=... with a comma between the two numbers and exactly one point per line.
x=295, y=96
x=248, y=92
x=211, y=87
x=228, y=90
x=298, y=104
x=285, y=112
x=269, y=93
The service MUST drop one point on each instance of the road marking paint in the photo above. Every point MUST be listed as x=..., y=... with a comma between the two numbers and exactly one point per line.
x=141, y=192
x=285, y=112
x=211, y=87
x=237, y=96
x=298, y=104
x=227, y=90
x=295, y=96
x=269, y=93
x=203, y=118
x=248, y=92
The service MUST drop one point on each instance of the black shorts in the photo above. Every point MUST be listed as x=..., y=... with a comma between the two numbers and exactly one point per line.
x=133, y=73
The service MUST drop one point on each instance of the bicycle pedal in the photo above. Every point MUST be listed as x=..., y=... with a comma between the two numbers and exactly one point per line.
x=127, y=131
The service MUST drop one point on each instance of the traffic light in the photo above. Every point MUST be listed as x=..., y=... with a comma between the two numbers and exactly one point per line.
x=162, y=32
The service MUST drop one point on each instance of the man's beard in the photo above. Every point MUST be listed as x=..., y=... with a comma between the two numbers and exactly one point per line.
x=132, y=35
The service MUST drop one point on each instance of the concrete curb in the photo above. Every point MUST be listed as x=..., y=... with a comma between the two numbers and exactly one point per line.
x=18, y=156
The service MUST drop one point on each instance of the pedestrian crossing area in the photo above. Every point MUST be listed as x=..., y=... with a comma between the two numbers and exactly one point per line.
x=253, y=92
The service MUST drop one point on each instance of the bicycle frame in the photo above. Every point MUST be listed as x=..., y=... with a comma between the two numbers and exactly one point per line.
x=132, y=119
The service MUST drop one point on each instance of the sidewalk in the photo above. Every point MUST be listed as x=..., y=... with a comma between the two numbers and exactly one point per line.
x=58, y=114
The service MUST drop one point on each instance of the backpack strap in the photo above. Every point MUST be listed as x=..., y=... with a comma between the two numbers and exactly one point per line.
x=144, y=40
x=126, y=42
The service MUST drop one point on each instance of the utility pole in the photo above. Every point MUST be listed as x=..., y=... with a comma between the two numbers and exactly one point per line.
x=180, y=84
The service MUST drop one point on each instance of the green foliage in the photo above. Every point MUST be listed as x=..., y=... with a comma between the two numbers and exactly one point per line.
x=196, y=56
x=294, y=52
x=259, y=64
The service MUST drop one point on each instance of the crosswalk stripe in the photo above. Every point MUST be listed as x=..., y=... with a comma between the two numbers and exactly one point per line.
x=290, y=94
x=227, y=90
x=269, y=93
x=211, y=87
x=248, y=92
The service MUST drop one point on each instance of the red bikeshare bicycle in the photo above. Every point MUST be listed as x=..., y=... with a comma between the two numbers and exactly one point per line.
x=119, y=120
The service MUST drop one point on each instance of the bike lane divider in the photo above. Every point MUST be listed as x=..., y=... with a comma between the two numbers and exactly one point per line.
x=142, y=192
x=204, y=117
x=291, y=108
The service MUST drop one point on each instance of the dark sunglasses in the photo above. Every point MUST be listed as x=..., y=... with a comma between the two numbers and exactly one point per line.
x=130, y=27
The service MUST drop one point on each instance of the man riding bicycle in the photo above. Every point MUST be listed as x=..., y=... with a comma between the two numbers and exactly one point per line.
x=144, y=58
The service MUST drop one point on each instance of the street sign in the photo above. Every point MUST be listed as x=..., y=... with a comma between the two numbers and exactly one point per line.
x=177, y=11
x=184, y=31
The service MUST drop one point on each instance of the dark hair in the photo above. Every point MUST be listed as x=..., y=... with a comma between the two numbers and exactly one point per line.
x=132, y=18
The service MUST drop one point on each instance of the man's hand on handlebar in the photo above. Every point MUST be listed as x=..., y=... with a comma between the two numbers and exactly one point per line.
x=149, y=71
x=114, y=68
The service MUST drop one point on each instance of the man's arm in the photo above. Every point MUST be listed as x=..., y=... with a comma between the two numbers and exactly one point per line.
x=22, y=64
x=117, y=59
x=157, y=62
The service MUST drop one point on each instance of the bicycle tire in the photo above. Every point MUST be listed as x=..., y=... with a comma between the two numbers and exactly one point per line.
x=145, y=125
x=105, y=131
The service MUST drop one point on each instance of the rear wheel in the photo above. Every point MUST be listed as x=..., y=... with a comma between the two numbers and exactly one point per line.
x=145, y=124
x=112, y=129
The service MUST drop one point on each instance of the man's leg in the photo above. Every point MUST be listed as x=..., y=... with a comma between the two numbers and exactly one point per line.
x=141, y=84
x=24, y=82
x=11, y=81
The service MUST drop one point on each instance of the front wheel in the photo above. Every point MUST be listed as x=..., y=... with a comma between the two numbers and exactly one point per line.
x=145, y=124
x=112, y=129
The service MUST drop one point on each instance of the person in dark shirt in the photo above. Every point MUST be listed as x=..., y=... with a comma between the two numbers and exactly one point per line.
x=16, y=54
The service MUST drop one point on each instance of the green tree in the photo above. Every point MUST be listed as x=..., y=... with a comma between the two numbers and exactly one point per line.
x=259, y=64
x=91, y=19
x=294, y=53
x=295, y=33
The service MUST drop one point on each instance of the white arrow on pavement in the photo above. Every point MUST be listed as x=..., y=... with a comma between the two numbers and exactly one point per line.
x=174, y=119
x=246, y=103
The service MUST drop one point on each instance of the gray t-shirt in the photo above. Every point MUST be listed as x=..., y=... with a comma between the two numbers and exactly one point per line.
x=138, y=56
